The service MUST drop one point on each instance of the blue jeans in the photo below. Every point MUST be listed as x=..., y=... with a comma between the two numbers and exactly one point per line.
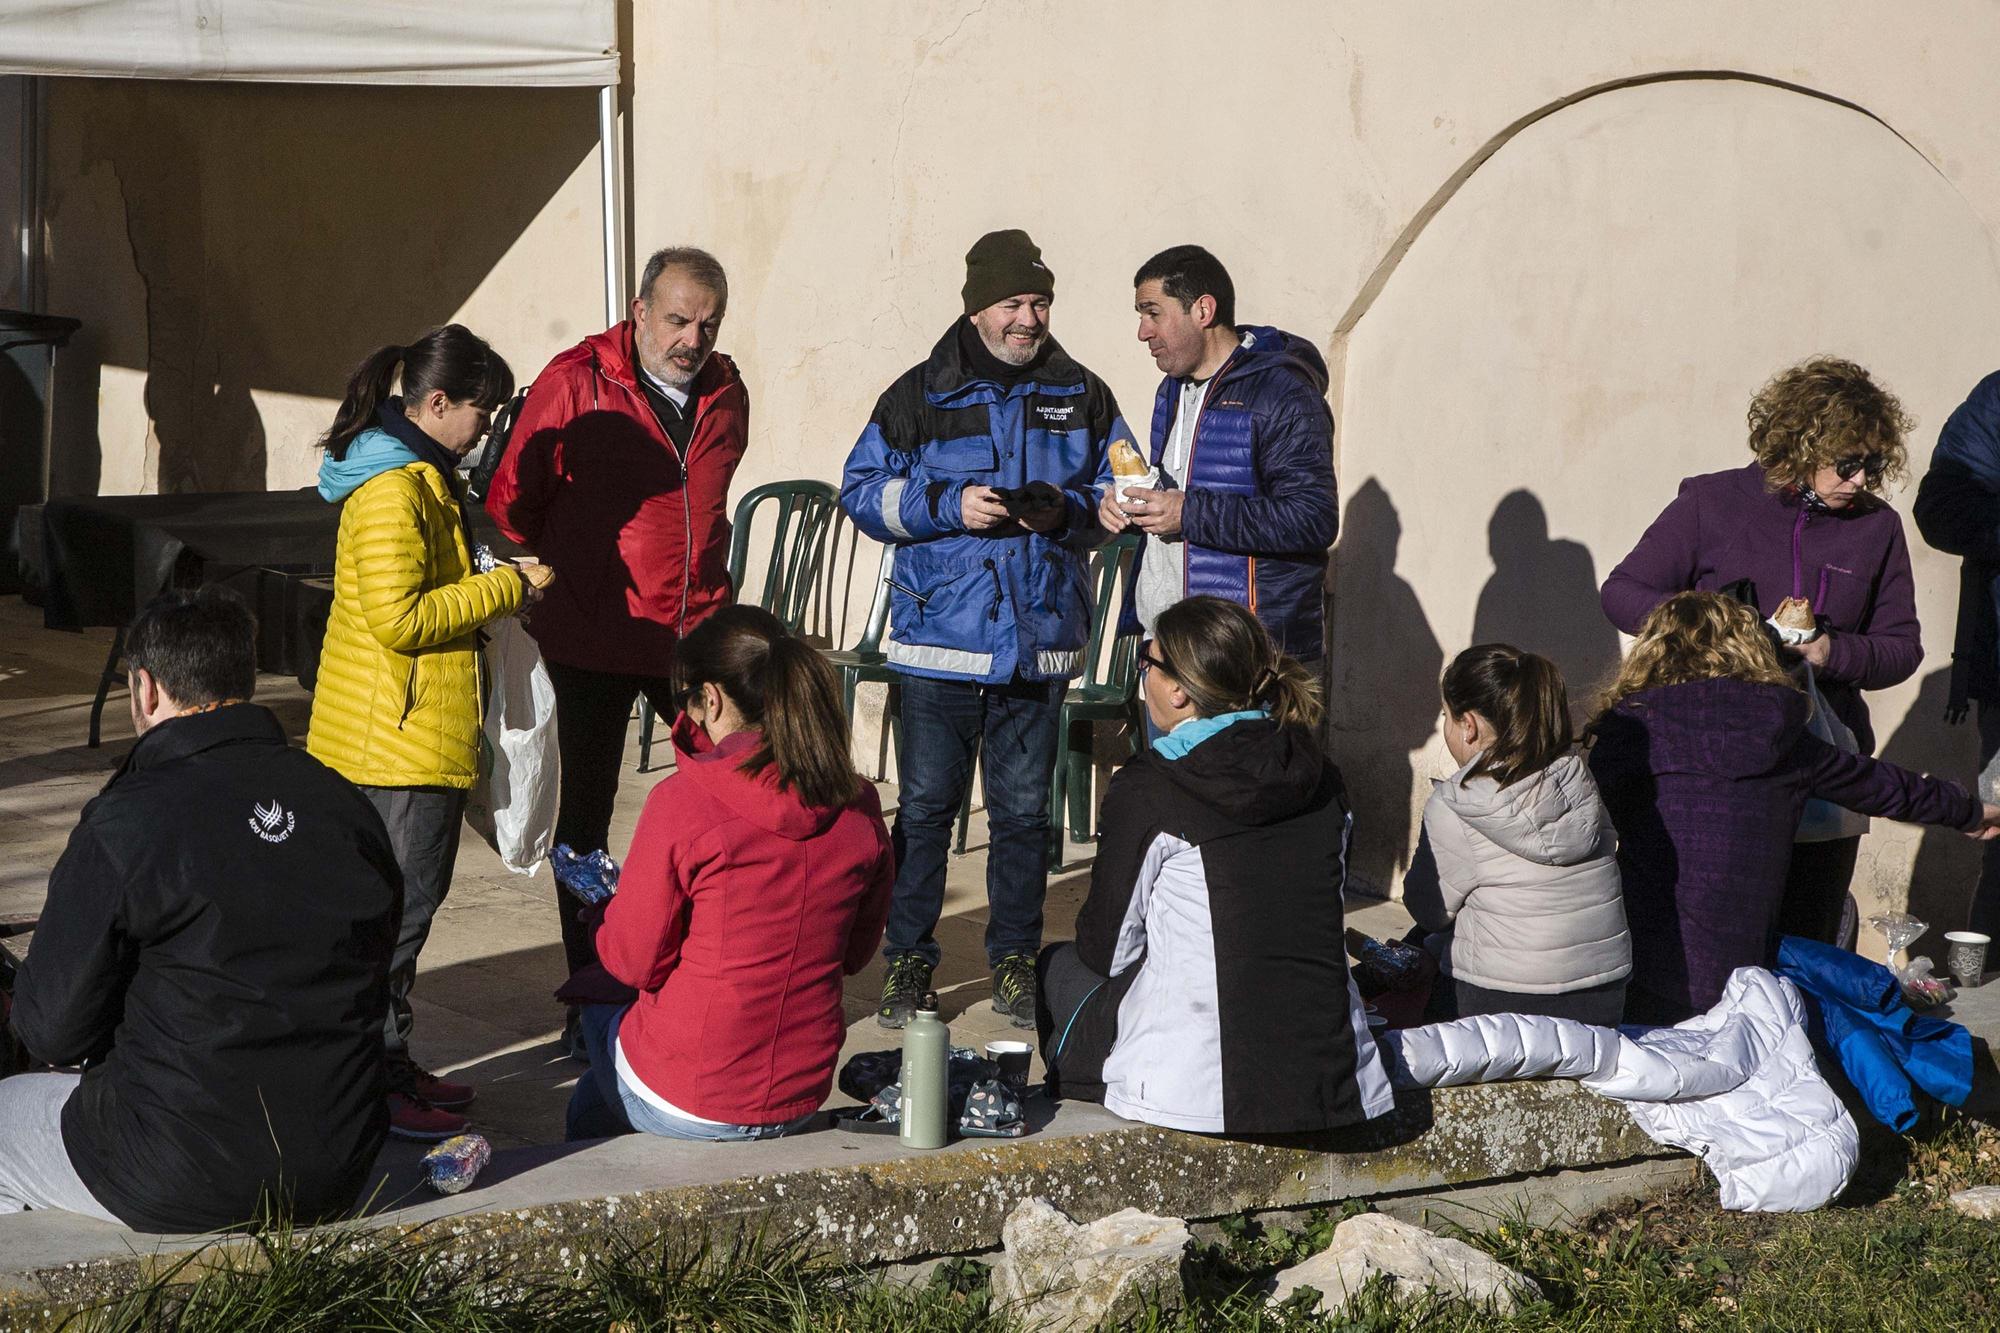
x=1012, y=729
x=604, y=1104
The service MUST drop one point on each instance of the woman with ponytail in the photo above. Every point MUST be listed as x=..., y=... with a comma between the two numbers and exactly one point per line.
x=1517, y=869
x=1207, y=987
x=396, y=707
x=758, y=879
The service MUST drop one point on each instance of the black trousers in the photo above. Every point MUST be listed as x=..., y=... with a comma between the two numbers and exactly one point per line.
x=1603, y=1005
x=1076, y=1021
x=592, y=710
x=424, y=824
x=1816, y=889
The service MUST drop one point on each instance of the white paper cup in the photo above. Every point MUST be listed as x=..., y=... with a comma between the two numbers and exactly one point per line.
x=1012, y=1057
x=1965, y=956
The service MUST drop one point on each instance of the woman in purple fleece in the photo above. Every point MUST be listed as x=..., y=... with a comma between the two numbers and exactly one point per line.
x=1805, y=520
x=1701, y=753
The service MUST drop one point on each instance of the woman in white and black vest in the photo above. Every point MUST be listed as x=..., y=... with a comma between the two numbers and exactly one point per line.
x=1207, y=988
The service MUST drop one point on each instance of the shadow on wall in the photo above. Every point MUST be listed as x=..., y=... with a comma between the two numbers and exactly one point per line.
x=1947, y=866
x=1384, y=698
x=277, y=233
x=1543, y=597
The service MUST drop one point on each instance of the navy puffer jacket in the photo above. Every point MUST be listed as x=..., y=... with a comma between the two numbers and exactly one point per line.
x=1261, y=507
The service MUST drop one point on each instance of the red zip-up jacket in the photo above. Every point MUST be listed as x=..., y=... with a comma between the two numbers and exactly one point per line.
x=739, y=911
x=592, y=485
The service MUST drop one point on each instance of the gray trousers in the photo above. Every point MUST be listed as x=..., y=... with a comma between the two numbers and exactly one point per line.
x=35, y=1171
x=424, y=823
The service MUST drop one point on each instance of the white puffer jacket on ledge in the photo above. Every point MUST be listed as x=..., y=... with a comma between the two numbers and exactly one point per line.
x=1526, y=879
x=1737, y=1086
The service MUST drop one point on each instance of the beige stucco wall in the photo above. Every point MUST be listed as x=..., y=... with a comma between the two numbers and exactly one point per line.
x=1582, y=318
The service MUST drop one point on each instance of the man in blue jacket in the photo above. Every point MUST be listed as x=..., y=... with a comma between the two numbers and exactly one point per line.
x=981, y=466
x=1245, y=507
x=1958, y=512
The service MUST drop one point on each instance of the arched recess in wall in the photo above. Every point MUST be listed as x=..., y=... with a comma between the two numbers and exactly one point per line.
x=1575, y=321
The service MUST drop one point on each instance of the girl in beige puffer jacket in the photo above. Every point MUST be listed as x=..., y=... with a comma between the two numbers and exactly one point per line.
x=1517, y=869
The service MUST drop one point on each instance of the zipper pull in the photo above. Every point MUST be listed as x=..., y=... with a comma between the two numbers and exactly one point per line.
x=999, y=594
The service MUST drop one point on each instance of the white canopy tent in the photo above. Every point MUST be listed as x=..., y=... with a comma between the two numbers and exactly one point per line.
x=505, y=43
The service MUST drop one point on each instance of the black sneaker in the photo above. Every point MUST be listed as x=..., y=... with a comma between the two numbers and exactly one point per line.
x=1014, y=989
x=905, y=982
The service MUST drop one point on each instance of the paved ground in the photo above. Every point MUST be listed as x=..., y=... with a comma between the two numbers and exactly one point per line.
x=482, y=999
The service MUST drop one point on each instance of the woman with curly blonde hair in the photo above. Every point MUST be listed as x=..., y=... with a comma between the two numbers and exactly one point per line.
x=1806, y=526
x=1701, y=753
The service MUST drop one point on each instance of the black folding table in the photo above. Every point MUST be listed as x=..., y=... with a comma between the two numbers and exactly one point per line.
x=103, y=557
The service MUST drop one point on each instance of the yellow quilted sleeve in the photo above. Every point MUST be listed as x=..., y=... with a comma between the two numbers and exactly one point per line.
x=390, y=524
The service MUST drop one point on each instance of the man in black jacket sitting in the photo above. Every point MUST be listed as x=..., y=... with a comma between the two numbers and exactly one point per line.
x=214, y=953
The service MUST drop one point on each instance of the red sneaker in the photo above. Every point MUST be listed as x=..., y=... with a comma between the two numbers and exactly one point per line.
x=414, y=1118
x=407, y=1076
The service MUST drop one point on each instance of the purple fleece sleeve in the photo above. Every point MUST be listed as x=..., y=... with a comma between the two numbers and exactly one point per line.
x=1875, y=787
x=1890, y=649
x=1662, y=564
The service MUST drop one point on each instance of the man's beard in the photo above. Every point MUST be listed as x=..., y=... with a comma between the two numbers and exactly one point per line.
x=1009, y=354
x=664, y=368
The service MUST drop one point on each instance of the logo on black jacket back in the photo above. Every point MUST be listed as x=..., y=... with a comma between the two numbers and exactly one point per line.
x=272, y=823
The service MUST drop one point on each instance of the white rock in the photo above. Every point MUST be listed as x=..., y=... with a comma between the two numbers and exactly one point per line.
x=1058, y=1275
x=1981, y=1201
x=1415, y=1261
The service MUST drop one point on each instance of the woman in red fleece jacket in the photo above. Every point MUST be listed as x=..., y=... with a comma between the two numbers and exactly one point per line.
x=758, y=878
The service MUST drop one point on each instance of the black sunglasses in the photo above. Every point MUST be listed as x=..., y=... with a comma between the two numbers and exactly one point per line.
x=1872, y=464
x=1148, y=661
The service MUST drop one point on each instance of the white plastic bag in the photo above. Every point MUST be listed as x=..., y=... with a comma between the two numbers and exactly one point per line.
x=513, y=805
x=1823, y=821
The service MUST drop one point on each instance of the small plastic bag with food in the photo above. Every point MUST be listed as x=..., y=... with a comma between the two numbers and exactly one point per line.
x=1921, y=987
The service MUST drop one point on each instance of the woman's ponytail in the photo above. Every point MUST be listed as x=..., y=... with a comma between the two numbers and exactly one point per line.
x=1290, y=693
x=804, y=726
x=450, y=359
x=367, y=389
x=783, y=688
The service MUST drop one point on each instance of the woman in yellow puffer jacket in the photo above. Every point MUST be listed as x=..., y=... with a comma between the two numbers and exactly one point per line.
x=396, y=709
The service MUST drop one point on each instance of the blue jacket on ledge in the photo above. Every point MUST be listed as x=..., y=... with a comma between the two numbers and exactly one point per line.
x=1004, y=604
x=1261, y=507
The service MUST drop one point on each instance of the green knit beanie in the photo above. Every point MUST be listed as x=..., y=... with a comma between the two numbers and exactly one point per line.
x=1001, y=264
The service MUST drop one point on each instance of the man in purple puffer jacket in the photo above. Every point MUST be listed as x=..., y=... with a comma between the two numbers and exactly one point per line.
x=1806, y=519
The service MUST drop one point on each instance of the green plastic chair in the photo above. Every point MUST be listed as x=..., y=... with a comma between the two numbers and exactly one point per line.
x=805, y=513
x=866, y=661
x=1104, y=693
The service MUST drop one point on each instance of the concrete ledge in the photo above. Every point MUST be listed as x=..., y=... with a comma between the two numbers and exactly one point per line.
x=864, y=1199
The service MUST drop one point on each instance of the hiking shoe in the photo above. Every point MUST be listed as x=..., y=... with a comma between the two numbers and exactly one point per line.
x=905, y=982
x=1014, y=989
x=414, y=1118
x=407, y=1076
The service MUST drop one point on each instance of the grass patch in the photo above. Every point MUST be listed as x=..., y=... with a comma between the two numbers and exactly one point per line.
x=1679, y=1263
x=354, y=1282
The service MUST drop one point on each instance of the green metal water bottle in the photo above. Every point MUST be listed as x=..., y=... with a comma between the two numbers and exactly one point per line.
x=926, y=1076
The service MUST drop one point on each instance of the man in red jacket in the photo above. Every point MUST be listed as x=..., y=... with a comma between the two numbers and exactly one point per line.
x=619, y=478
